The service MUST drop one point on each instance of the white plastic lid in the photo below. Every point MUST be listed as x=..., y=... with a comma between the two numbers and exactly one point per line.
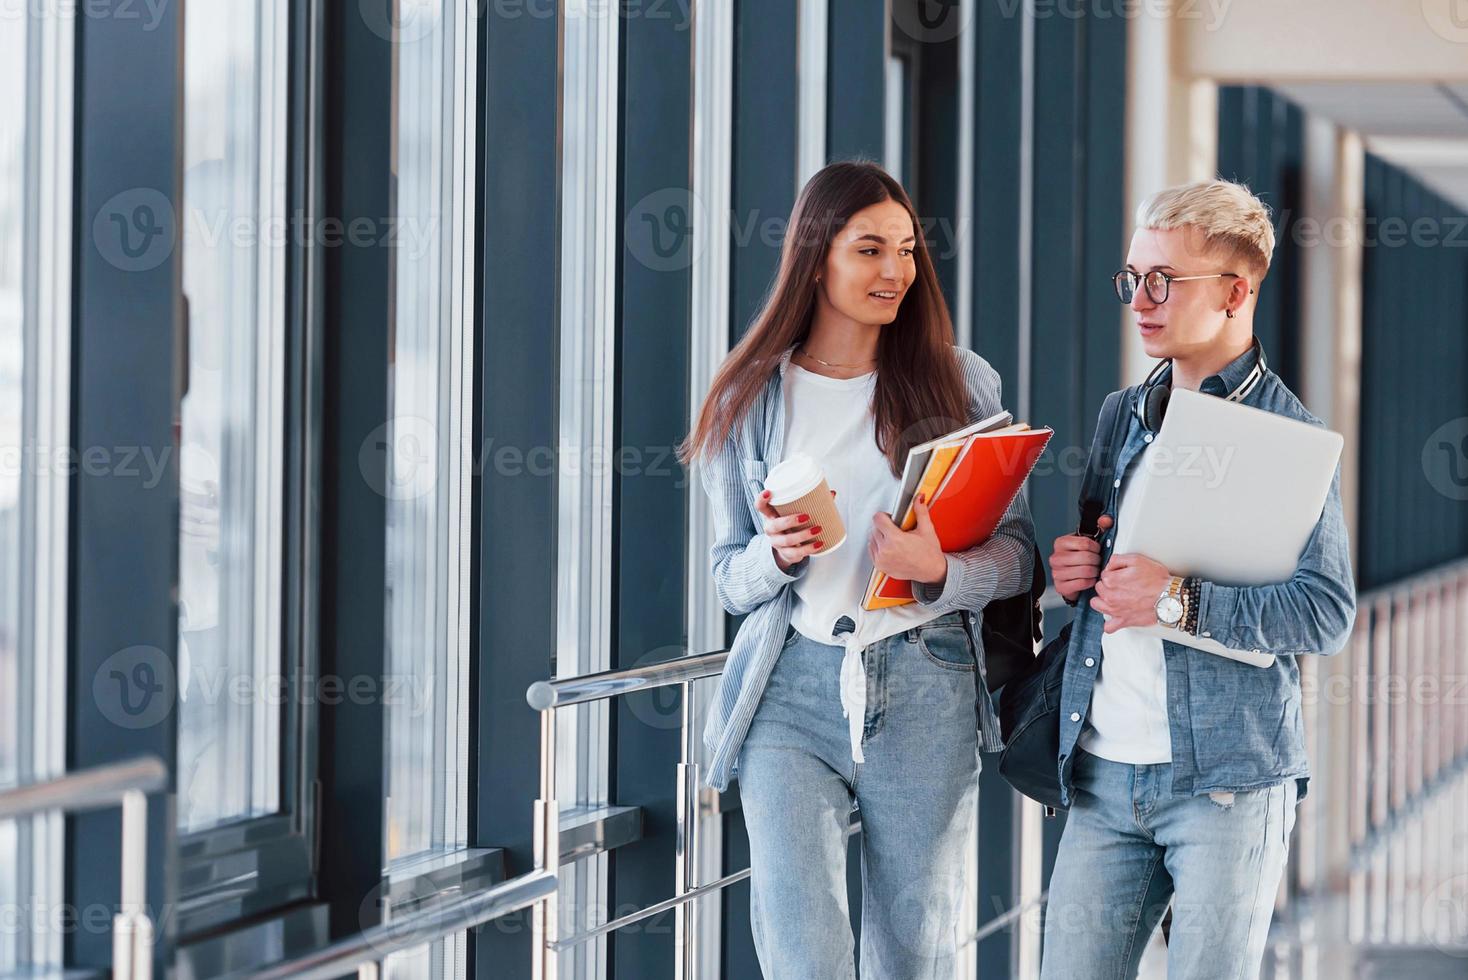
x=793, y=478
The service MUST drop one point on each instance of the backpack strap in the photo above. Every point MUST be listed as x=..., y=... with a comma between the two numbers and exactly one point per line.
x=1111, y=427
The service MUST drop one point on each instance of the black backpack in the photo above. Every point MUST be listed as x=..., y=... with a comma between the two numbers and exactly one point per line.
x=1011, y=628
x=1029, y=709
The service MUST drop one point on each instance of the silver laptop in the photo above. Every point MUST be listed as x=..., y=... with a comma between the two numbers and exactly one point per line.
x=1229, y=493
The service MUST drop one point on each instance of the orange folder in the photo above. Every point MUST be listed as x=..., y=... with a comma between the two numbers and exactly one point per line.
x=975, y=483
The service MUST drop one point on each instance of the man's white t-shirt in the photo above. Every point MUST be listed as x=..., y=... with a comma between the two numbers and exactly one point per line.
x=1128, y=720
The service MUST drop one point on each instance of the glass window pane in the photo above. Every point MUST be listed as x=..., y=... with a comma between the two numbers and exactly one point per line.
x=443, y=960
x=35, y=263
x=896, y=116
x=231, y=457
x=428, y=490
x=12, y=327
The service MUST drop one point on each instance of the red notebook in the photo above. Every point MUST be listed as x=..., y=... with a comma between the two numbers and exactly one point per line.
x=974, y=494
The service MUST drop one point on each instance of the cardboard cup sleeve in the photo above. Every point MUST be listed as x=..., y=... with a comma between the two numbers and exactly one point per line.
x=823, y=514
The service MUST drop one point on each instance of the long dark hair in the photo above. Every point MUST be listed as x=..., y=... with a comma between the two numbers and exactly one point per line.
x=920, y=392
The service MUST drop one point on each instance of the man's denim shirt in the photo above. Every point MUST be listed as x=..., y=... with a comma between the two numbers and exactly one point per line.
x=1233, y=726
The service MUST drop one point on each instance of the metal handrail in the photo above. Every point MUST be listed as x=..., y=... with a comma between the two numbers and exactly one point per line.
x=122, y=784
x=657, y=908
x=88, y=789
x=370, y=946
x=1446, y=572
x=1406, y=785
x=538, y=887
x=363, y=951
x=1377, y=839
x=546, y=697
x=565, y=691
x=1001, y=922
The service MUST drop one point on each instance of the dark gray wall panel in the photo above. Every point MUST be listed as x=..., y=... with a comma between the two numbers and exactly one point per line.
x=856, y=74
x=1261, y=143
x=762, y=187
x=514, y=616
x=357, y=316
x=1413, y=475
x=122, y=619
x=650, y=499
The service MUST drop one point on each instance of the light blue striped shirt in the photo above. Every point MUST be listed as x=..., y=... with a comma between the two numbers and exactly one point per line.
x=749, y=582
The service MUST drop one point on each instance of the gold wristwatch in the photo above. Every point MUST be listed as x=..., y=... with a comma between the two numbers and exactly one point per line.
x=1171, y=604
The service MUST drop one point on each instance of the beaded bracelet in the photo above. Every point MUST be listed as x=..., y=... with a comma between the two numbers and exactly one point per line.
x=1192, y=597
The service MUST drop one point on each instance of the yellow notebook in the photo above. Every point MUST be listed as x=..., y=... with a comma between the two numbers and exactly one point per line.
x=938, y=465
x=945, y=457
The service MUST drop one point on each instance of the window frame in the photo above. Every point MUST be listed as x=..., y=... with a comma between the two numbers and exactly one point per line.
x=279, y=850
x=451, y=185
x=903, y=50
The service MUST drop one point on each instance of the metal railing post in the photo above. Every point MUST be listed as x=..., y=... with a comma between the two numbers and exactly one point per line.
x=102, y=787
x=685, y=865
x=132, y=929
x=547, y=852
x=1408, y=777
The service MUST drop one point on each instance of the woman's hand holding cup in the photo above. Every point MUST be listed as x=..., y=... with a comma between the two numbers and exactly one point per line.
x=799, y=510
x=791, y=545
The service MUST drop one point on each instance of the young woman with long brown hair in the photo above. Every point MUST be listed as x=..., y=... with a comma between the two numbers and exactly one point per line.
x=851, y=361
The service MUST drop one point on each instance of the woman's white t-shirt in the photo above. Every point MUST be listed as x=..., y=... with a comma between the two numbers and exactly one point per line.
x=830, y=419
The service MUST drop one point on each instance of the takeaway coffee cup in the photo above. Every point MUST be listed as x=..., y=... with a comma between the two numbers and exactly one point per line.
x=797, y=486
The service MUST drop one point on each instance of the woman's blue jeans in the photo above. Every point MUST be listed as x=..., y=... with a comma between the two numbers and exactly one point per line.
x=916, y=792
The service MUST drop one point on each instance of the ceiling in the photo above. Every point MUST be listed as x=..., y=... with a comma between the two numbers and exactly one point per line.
x=1419, y=126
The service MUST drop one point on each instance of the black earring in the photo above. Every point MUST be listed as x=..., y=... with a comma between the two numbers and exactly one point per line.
x=1229, y=314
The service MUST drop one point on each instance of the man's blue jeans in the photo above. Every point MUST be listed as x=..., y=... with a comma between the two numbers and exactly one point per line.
x=1129, y=847
x=917, y=792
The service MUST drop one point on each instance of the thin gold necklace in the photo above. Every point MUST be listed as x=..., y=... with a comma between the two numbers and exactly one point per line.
x=805, y=353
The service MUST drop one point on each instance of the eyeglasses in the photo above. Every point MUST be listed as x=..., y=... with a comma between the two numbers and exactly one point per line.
x=1156, y=283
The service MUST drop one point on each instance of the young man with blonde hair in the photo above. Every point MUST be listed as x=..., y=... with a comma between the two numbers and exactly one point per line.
x=1182, y=769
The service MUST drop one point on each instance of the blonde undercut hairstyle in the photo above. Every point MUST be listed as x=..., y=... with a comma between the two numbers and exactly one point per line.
x=1234, y=224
